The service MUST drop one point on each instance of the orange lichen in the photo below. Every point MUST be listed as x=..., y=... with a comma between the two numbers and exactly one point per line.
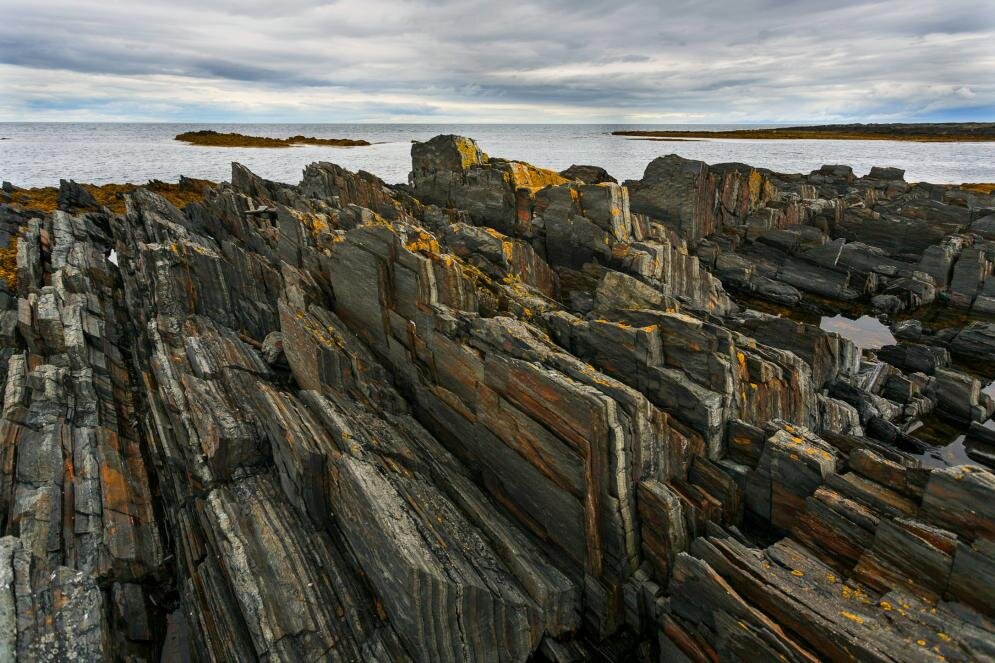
x=986, y=188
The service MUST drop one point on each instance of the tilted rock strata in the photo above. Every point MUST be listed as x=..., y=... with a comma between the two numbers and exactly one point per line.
x=497, y=414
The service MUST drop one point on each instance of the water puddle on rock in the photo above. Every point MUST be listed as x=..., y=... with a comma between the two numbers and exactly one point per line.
x=959, y=450
x=865, y=332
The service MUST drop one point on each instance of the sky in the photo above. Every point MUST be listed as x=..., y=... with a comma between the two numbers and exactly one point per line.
x=641, y=61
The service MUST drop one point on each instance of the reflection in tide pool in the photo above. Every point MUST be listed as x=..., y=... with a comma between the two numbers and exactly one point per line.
x=865, y=332
x=958, y=452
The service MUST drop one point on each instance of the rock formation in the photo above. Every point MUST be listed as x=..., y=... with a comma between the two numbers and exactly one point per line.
x=495, y=414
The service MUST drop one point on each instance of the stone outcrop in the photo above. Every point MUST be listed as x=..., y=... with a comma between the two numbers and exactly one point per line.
x=496, y=414
x=795, y=239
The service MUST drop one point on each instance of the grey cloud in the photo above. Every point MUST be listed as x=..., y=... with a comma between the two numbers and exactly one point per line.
x=773, y=57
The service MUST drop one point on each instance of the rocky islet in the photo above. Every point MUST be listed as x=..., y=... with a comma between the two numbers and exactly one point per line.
x=497, y=413
x=211, y=138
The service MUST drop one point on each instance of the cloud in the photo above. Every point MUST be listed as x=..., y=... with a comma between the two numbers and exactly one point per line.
x=477, y=60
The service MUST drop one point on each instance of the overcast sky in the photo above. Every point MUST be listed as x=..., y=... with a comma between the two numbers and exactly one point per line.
x=642, y=61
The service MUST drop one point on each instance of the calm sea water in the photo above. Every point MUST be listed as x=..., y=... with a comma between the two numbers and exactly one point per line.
x=39, y=154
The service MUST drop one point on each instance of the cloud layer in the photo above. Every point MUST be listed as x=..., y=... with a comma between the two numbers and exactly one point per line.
x=639, y=61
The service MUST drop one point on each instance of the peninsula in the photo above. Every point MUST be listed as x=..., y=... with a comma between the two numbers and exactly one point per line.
x=948, y=132
x=211, y=138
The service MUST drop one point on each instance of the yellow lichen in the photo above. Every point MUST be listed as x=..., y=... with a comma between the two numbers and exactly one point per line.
x=852, y=617
x=527, y=176
x=468, y=153
x=422, y=242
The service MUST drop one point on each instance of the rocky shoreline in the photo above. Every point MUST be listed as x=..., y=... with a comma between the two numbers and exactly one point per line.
x=950, y=132
x=499, y=413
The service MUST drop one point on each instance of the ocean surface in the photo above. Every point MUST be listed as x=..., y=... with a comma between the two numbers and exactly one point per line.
x=39, y=154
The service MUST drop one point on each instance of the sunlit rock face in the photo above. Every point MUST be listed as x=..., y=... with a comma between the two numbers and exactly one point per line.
x=500, y=413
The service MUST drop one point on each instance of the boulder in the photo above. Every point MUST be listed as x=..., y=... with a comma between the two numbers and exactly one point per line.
x=914, y=358
x=588, y=174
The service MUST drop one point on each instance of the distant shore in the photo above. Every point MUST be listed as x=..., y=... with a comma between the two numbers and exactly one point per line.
x=925, y=133
x=216, y=139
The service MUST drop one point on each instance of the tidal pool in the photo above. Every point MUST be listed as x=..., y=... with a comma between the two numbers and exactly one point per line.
x=958, y=452
x=866, y=332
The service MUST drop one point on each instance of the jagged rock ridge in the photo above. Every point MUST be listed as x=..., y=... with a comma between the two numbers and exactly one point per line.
x=496, y=414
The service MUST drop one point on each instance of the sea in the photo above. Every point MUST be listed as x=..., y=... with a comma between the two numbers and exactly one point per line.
x=40, y=154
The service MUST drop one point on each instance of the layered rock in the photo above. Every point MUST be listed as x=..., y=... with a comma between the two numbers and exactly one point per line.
x=828, y=235
x=498, y=414
x=576, y=227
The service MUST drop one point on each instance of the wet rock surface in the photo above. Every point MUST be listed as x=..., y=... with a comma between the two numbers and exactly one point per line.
x=497, y=414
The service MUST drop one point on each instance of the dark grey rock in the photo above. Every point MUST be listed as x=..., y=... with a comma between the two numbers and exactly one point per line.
x=73, y=196
x=588, y=174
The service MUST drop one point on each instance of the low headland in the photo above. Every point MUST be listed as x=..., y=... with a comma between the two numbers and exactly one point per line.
x=210, y=138
x=947, y=132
